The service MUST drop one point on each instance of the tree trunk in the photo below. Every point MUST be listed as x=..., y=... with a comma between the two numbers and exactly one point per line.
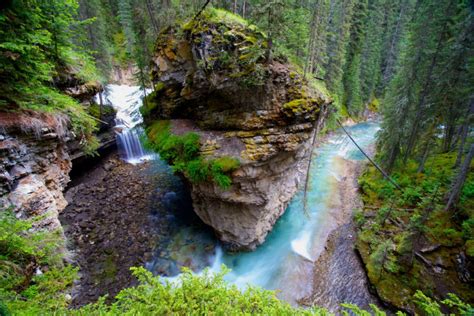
x=458, y=181
x=202, y=9
x=464, y=132
x=390, y=62
x=154, y=23
x=421, y=167
x=394, y=151
x=310, y=57
x=101, y=104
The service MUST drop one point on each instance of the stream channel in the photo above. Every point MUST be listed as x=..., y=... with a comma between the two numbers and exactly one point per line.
x=286, y=261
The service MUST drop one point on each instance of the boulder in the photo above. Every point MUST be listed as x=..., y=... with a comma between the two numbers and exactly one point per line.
x=214, y=77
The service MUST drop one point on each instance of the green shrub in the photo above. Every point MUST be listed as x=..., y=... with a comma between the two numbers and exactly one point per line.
x=468, y=228
x=433, y=308
x=45, y=296
x=467, y=193
x=452, y=236
x=197, y=170
x=469, y=248
x=96, y=111
x=417, y=213
x=21, y=292
x=359, y=218
x=357, y=311
x=205, y=294
x=411, y=195
x=191, y=294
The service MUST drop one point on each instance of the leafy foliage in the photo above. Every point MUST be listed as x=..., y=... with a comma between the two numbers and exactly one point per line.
x=22, y=250
x=431, y=307
x=193, y=294
x=35, y=47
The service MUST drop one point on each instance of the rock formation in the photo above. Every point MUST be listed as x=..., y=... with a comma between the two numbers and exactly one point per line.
x=36, y=153
x=214, y=77
x=34, y=166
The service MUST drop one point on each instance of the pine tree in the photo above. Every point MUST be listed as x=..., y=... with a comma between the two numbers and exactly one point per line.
x=437, y=19
x=126, y=21
x=433, y=83
x=340, y=15
x=316, y=57
x=351, y=79
x=96, y=39
x=36, y=47
x=371, y=58
x=36, y=43
x=397, y=15
x=459, y=180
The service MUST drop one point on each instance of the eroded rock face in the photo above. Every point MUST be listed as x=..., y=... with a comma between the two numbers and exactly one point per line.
x=243, y=215
x=213, y=77
x=34, y=166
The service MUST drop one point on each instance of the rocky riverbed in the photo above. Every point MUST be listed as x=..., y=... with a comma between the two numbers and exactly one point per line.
x=122, y=215
x=110, y=227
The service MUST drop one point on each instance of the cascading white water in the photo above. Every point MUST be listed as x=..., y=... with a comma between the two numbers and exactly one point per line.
x=126, y=100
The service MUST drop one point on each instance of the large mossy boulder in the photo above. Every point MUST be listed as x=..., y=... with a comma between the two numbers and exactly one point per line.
x=213, y=77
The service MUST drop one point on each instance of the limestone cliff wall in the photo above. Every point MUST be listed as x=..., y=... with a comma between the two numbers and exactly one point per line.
x=34, y=166
x=214, y=77
x=36, y=154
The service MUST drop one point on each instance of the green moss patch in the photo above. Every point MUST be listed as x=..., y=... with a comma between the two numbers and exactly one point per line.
x=96, y=111
x=229, y=44
x=182, y=152
x=150, y=102
x=300, y=107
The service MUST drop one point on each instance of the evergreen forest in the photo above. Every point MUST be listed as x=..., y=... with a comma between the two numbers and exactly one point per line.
x=234, y=93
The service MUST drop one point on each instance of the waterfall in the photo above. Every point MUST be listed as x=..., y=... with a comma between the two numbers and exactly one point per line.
x=126, y=100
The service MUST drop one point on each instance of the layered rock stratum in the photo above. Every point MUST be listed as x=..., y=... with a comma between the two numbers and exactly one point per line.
x=215, y=77
x=36, y=154
x=34, y=166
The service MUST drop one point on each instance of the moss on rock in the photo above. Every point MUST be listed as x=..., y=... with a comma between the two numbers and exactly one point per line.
x=183, y=153
x=220, y=42
x=300, y=107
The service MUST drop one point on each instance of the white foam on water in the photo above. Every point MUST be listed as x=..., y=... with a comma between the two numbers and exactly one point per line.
x=214, y=268
x=126, y=100
x=301, y=245
x=142, y=159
